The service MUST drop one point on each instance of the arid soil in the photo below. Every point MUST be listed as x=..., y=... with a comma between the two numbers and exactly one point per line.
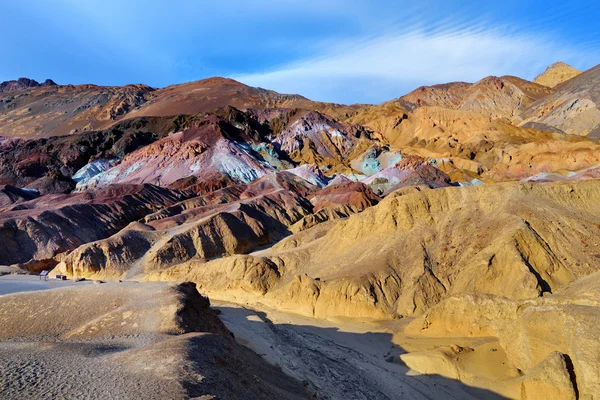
x=127, y=340
x=353, y=358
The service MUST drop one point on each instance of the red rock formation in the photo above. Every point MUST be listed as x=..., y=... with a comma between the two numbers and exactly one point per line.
x=48, y=225
x=355, y=194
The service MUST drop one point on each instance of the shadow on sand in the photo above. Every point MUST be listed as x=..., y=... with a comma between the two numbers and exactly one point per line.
x=334, y=364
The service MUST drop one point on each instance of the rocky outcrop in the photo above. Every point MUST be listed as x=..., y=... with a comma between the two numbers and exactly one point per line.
x=375, y=159
x=354, y=194
x=532, y=332
x=467, y=145
x=550, y=379
x=493, y=97
x=209, y=147
x=23, y=83
x=409, y=171
x=323, y=215
x=94, y=168
x=310, y=173
x=51, y=110
x=316, y=138
x=129, y=340
x=50, y=165
x=10, y=195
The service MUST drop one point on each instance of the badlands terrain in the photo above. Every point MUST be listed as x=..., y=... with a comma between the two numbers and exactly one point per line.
x=441, y=245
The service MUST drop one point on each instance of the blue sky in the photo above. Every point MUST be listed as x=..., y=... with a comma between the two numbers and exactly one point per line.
x=348, y=51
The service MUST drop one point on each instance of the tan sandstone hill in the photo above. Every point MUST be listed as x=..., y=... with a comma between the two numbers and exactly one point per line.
x=413, y=249
x=466, y=144
x=554, y=339
x=556, y=74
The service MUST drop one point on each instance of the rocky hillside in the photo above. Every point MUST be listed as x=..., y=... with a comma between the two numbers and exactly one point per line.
x=28, y=109
x=495, y=97
x=572, y=108
x=455, y=197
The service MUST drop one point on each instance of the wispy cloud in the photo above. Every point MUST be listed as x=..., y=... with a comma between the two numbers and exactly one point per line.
x=384, y=67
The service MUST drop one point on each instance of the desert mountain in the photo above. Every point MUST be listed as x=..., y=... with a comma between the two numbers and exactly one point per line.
x=572, y=108
x=42, y=227
x=494, y=97
x=209, y=94
x=384, y=273
x=23, y=83
x=556, y=74
x=470, y=208
x=28, y=109
x=59, y=110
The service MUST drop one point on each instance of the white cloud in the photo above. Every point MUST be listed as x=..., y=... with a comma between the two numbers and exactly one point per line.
x=385, y=67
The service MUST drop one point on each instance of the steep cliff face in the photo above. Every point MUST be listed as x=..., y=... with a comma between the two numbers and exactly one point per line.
x=550, y=337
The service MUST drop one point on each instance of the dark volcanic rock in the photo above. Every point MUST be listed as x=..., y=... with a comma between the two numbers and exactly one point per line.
x=48, y=82
x=48, y=164
x=21, y=83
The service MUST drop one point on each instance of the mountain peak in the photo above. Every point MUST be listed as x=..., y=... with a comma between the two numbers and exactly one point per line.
x=556, y=74
x=23, y=83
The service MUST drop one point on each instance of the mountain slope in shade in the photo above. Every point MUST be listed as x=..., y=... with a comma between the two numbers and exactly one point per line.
x=574, y=107
x=556, y=74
